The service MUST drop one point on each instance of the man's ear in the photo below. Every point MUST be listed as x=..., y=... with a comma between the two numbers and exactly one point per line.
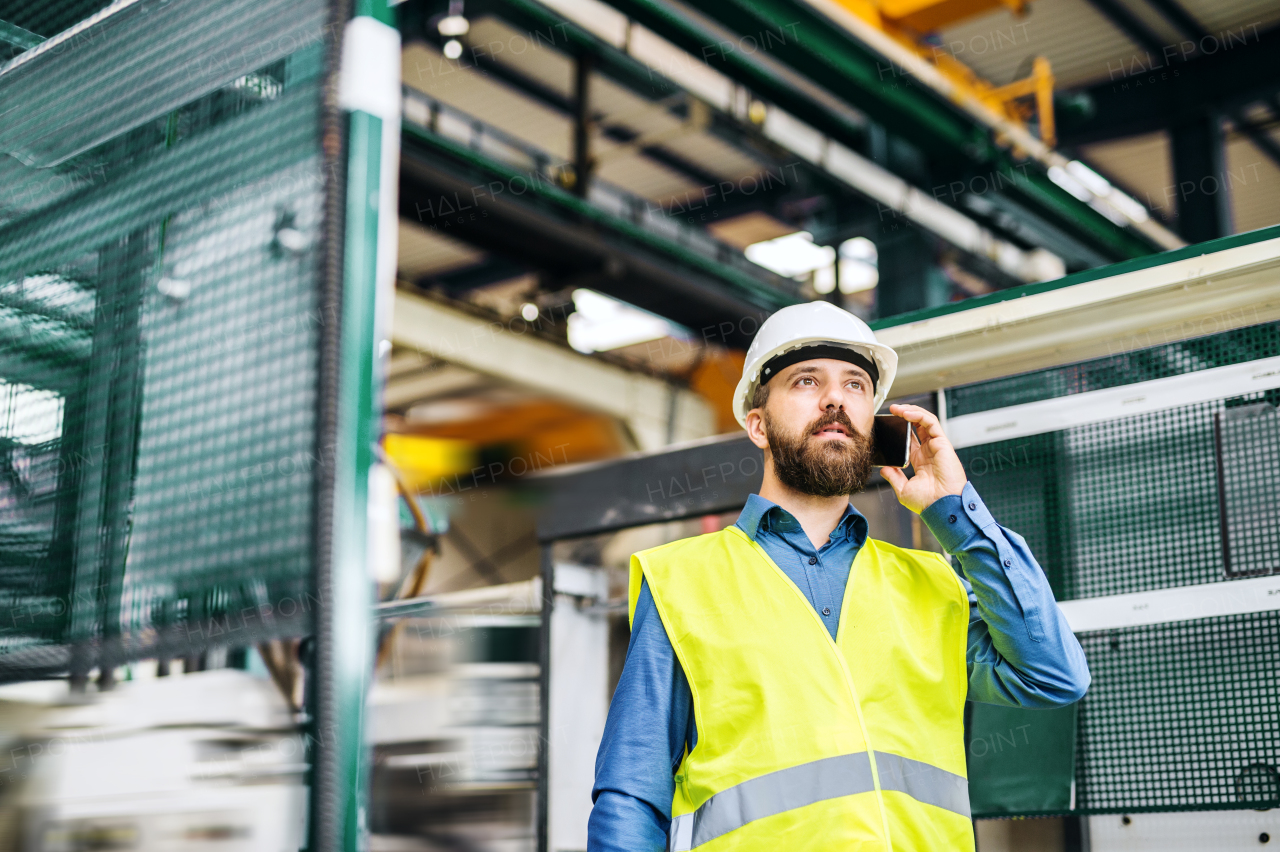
x=755, y=428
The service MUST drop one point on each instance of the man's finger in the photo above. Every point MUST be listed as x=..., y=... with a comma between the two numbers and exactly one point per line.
x=927, y=422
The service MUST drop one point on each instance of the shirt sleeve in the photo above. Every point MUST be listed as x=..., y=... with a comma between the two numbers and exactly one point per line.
x=649, y=724
x=1021, y=650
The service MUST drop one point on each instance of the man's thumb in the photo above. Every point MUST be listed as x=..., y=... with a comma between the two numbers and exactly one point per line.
x=897, y=479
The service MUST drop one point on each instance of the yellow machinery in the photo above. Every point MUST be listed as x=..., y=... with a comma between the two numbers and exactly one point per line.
x=909, y=22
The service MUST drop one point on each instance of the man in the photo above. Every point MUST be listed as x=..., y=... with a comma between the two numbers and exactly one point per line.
x=791, y=684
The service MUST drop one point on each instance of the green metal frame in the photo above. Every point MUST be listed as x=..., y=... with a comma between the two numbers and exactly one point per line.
x=345, y=621
x=352, y=600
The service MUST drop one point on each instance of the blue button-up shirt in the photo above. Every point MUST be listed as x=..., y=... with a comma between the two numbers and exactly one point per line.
x=1021, y=652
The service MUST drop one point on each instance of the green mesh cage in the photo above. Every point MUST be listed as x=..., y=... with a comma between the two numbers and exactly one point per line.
x=161, y=196
x=1181, y=715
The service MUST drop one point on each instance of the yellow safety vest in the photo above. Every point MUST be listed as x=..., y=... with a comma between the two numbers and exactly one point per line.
x=804, y=742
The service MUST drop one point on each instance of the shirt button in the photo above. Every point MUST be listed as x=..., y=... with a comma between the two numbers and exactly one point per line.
x=813, y=560
x=951, y=519
x=973, y=507
x=826, y=610
x=1008, y=562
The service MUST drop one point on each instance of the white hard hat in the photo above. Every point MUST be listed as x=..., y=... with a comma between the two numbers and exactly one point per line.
x=812, y=324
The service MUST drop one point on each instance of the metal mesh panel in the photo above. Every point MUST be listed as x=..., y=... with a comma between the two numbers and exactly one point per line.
x=1113, y=507
x=1247, y=442
x=1181, y=715
x=159, y=325
x=1134, y=504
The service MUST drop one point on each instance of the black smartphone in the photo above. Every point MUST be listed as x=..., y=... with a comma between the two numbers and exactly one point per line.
x=890, y=441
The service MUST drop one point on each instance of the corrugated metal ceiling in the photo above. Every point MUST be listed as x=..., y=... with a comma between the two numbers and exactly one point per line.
x=1082, y=44
x=1076, y=38
x=1220, y=15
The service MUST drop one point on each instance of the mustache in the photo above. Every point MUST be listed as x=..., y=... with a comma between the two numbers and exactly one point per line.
x=831, y=418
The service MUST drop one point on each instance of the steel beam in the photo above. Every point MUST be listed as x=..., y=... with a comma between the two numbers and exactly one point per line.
x=1199, y=167
x=1223, y=81
x=1191, y=28
x=1129, y=24
x=581, y=124
x=831, y=63
x=360, y=141
x=909, y=278
x=700, y=478
x=565, y=106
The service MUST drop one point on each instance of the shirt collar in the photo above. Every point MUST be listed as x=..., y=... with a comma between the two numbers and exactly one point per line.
x=760, y=515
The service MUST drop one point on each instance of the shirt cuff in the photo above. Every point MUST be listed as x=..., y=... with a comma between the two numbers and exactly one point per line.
x=954, y=520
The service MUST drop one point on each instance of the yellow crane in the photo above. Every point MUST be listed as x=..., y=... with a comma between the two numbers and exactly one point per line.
x=909, y=22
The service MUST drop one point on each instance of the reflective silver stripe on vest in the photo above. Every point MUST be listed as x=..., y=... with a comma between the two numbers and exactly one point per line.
x=784, y=790
x=924, y=782
x=797, y=786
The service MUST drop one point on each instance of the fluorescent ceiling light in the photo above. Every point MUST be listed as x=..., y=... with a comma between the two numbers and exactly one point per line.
x=453, y=25
x=1093, y=181
x=794, y=255
x=1087, y=185
x=1128, y=206
x=1063, y=179
x=600, y=323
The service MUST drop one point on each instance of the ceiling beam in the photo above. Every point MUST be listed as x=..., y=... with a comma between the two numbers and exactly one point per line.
x=1259, y=133
x=1173, y=12
x=1134, y=28
x=1144, y=97
x=1190, y=28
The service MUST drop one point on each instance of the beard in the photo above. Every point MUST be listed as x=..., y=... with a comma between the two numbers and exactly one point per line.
x=820, y=466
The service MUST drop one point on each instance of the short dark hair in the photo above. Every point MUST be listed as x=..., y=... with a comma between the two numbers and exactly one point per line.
x=760, y=396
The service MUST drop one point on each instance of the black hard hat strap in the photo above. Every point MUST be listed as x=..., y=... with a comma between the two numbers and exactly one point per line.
x=778, y=363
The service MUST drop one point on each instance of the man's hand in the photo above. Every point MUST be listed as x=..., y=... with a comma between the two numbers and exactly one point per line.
x=938, y=471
